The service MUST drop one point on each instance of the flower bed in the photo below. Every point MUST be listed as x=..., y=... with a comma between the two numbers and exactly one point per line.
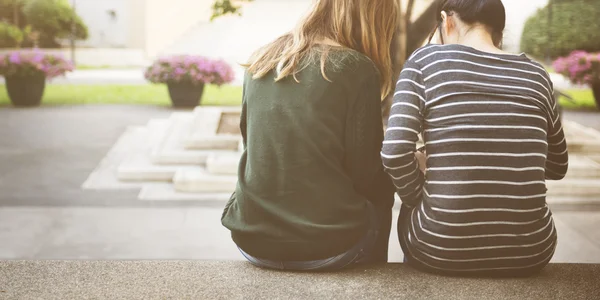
x=27, y=63
x=186, y=75
x=26, y=73
x=581, y=68
x=190, y=69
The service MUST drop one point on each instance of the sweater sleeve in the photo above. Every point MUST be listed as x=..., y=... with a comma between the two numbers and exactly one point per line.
x=557, y=159
x=364, y=137
x=404, y=126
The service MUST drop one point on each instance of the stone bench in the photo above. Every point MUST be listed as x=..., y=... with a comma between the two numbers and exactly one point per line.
x=239, y=280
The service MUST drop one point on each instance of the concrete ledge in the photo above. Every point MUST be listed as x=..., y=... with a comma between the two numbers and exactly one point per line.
x=239, y=280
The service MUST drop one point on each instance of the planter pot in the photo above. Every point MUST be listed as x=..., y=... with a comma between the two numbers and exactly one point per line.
x=25, y=91
x=185, y=95
x=596, y=91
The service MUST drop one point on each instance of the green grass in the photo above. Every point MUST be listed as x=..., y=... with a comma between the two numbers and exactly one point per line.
x=584, y=99
x=221, y=96
x=127, y=94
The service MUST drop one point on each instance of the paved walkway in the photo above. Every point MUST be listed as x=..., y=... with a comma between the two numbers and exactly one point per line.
x=48, y=152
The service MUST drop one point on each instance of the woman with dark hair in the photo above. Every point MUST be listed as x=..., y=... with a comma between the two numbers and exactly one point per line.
x=474, y=203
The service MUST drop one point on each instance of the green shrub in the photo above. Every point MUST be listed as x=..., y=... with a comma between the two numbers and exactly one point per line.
x=10, y=36
x=574, y=26
x=52, y=19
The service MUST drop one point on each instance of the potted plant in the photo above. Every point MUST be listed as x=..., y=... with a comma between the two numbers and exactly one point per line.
x=581, y=68
x=26, y=72
x=186, y=75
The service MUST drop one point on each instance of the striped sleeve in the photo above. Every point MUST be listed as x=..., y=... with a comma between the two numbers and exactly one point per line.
x=404, y=126
x=557, y=161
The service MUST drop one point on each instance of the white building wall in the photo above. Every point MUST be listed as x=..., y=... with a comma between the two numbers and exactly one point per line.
x=107, y=21
x=168, y=20
x=151, y=25
x=159, y=26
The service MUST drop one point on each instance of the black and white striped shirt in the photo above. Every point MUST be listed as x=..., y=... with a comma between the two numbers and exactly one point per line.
x=493, y=136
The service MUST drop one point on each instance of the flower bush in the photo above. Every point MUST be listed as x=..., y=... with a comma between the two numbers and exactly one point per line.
x=580, y=67
x=27, y=63
x=189, y=69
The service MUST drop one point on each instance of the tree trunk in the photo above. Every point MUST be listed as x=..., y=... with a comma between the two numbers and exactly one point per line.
x=398, y=54
x=408, y=14
x=16, y=13
x=422, y=27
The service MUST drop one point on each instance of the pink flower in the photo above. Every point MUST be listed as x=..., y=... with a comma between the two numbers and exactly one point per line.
x=15, y=58
x=31, y=63
x=580, y=67
x=188, y=68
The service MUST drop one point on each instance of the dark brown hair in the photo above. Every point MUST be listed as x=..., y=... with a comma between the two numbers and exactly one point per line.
x=490, y=13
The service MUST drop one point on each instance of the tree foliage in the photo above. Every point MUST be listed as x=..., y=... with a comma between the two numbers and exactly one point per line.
x=11, y=36
x=572, y=25
x=42, y=22
x=226, y=7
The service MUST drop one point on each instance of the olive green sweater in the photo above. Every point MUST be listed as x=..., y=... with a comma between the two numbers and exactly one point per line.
x=311, y=161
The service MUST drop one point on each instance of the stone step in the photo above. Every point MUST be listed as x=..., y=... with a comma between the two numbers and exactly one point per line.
x=138, y=166
x=185, y=157
x=579, y=166
x=141, y=169
x=583, y=167
x=104, y=175
x=134, y=145
x=204, y=132
x=573, y=201
x=584, y=146
x=167, y=192
x=217, y=119
x=230, y=120
x=214, y=128
x=211, y=142
x=572, y=128
x=169, y=139
x=581, y=139
x=223, y=164
x=201, y=181
x=171, y=150
x=577, y=187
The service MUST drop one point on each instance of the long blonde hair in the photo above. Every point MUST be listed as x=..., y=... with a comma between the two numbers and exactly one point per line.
x=366, y=26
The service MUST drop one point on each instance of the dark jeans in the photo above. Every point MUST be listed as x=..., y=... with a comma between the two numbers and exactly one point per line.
x=372, y=248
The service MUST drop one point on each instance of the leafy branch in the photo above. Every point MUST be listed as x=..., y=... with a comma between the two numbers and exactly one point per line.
x=226, y=7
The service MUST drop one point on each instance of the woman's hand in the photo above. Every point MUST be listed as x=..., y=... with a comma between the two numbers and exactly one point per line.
x=421, y=159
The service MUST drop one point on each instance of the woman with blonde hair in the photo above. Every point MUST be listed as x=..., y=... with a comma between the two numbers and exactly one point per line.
x=312, y=193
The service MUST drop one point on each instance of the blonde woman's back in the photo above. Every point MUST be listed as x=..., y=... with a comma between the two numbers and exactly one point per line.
x=311, y=162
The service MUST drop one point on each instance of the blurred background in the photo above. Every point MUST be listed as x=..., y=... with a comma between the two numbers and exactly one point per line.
x=119, y=119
